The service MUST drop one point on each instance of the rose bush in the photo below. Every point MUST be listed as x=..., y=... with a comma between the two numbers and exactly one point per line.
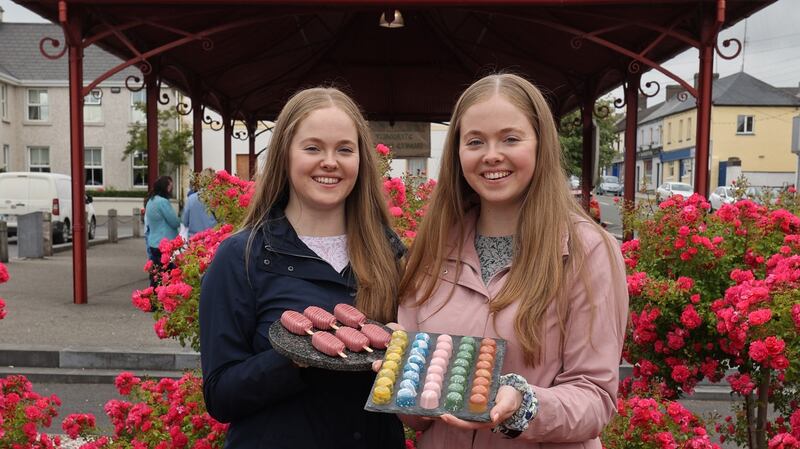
x=712, y=293
x=3, y=279
x=646, y=421
x=162, y=414
x=23, y=412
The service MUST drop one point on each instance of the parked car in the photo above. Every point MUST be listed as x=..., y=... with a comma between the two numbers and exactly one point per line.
x=722, y=195
x=574, y=182
x=668, y=189
x=609, y=185
x=25, y=192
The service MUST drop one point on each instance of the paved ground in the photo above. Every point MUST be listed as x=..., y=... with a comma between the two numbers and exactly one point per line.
x=41, y=312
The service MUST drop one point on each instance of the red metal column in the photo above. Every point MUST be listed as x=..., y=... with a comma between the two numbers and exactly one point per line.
x=631, y=121
x=587, y=163
x=228, y=136
x=704, y=82
x=74, y=37
x=251, y=155
x=151, y=84
x=197, y=133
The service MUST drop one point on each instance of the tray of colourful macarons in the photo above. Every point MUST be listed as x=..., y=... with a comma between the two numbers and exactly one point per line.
x=344, y=340
x=431, y=374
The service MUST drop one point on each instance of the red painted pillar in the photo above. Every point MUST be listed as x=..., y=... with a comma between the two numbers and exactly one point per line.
x=631, y=121
x=197, y=133
x=74, y=38
x=252, y=127
x=587, y=163
x=152, y=128
x=228, y=136
x=704, y=81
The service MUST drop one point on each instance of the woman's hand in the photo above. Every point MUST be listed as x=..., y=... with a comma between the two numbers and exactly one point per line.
x=507, y=402
x=376, y=365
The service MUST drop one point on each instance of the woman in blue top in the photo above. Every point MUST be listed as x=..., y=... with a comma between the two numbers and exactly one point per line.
x=162, y=221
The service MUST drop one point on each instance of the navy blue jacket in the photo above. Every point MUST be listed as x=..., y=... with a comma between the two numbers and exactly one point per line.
x=269, y=401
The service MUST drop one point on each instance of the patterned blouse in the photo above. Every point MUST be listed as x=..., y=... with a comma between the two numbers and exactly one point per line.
x=494, y=253
x=331, y=249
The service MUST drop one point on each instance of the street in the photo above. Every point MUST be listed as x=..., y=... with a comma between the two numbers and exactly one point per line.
x=124, y=229
x=610, y=213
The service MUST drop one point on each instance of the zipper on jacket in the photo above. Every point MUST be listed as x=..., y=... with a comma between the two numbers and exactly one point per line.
x=305, y=256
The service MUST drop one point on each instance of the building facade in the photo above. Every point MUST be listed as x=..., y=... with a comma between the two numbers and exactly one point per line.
x=34, y=112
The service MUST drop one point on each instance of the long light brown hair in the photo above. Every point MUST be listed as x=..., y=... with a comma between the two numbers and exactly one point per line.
x=539, y=273
x=366, y=218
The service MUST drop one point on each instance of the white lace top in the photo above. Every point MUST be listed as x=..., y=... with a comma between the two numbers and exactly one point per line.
x=331, y=249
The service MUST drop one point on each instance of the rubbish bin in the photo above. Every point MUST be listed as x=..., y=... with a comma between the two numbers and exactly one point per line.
x=30, y=235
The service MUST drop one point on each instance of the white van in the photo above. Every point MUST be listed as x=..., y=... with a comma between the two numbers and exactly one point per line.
x=25, y=192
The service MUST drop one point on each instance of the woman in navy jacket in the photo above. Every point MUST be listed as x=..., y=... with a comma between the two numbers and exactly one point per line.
x=320, y=189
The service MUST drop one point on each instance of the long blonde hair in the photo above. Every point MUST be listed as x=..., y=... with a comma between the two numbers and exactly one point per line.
x=371, y=256
x=539, y=273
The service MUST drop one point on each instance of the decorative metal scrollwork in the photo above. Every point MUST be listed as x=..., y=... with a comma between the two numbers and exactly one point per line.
x=241, y=134
x=55, y=43
x=135, y=79
x=184, y=108
x=682, y=96
x=576, y=42
x=215, y=125
x=145, y=67
x=602, y=111
x=727, y=43
x=634, y=67
x=648, y=85
x=620, y=103
x=207, y=44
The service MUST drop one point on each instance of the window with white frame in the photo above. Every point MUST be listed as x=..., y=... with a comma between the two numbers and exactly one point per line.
x=139, y=168
x=93, y=107
x=137, y=113
x=680, y=130
x=3, y=101
x=669, y=132
x=744, y=124
x=6, y=162
x=39, y=159
x=93, y=166
x=38, y=105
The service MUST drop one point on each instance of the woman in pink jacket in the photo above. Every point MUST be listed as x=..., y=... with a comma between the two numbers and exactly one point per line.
x=505, y=251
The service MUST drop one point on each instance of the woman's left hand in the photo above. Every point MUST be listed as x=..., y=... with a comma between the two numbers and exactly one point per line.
x=507, y=402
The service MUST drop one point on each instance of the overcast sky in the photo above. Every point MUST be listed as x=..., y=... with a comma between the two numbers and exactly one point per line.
x=772, y=47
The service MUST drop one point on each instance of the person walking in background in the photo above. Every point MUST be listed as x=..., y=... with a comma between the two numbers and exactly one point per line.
x=506, y=252
x=316, y=233
x=196, y=216
x=162, y=221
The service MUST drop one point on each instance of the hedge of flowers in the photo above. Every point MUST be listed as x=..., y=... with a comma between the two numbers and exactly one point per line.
x=713, y=296
x=159, y=414
x=3, y=279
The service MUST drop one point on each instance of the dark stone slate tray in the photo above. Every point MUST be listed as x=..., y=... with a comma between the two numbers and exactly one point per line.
x=464, y=413
x=299, y=349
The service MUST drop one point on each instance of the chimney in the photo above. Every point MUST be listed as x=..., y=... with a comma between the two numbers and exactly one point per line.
x=1, y=14
x=715, y=76
x=673, y=90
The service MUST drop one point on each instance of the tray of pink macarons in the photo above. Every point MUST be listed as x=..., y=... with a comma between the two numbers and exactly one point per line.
x=431, y=374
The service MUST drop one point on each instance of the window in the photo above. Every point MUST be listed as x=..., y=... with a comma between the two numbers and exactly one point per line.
x=689, y=128
x=139, y=168
x=660, y=134
x=39, y=159
x=93, y=166
x=92, y=107
x=3, y=102
x=641, y=138
x=744, y=124
x=651, y=135
x=680, y=130
x=5, y=162
x=672, y=169
x=38, y=105
x=137, y=114
x=669, y=132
